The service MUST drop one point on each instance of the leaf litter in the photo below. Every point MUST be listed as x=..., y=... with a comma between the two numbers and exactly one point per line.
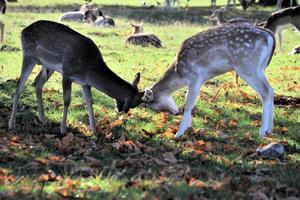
x=192, y=161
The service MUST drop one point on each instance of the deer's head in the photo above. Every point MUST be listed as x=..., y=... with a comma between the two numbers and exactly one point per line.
x=159, y=101
x=133, y=100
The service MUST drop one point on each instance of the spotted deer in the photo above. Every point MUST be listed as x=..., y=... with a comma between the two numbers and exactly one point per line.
x=282, y=19
x=2, y=10
x=241, y=47
x=58, y=48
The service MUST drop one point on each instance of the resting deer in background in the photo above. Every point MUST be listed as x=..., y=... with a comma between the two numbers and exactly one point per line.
x=282, y=19
x=242, y=47
x=138, y=37
x=58, y=48
x=77, y=15
x=3, y=10
x=101, y=20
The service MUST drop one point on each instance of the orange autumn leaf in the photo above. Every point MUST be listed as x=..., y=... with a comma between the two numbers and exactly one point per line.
x=55, y=158
x=296, y=68
x=41, y=160
x=117, y=123
x=194, y=182
x=200, y=142
x=232, y=123
x=163, y=117
x=244, y=94
x=44, y=178
x=15, y=139
x=283, y=129
x=169, y=133
x=256, y=123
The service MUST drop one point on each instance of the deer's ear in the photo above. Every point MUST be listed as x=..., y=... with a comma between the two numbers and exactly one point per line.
x=148, y=95
x=137, y=79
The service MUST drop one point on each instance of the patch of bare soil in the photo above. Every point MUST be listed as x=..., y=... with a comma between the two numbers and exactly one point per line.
x=282, y=100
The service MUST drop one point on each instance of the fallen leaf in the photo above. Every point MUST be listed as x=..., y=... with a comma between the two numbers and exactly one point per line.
x=44, y=178
x=170, y=157
x=117, y=123
x=169, y=133
x=232, y=123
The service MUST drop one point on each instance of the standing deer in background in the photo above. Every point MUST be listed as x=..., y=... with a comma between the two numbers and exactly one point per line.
x=58, y=48
x=279, y=3
x=242, y=47
x=219, y=15
x=3, y=10
x=245, y=3
x=282, y=19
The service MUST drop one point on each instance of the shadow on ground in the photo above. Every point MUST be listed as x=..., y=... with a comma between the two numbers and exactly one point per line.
x=198, y=166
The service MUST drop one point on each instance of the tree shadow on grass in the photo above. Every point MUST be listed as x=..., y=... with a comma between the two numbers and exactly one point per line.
x=173, y=168
x=155, y=15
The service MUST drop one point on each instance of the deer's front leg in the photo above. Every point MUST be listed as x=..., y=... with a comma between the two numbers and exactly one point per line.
x=89, y=102
x=67, y=86
x=1, y=32
x=190, y=102
x=27, y=67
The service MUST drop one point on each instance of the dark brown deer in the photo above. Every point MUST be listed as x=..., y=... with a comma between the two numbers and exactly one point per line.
x=282, y=19
x=241, y=47
x=58, y=48
x=2, y=10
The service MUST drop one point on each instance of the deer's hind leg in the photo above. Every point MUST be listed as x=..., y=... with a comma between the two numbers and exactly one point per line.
x=27, y=67
x=39, y=83
x=255, y=77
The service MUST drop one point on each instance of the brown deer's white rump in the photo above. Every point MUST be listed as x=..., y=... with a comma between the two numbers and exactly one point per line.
x=242, y=47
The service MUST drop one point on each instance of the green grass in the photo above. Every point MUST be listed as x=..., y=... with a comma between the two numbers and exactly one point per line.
x=222, y=169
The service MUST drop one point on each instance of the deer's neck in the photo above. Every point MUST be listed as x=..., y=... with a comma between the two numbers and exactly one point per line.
x=105, y=80
x=170, y=82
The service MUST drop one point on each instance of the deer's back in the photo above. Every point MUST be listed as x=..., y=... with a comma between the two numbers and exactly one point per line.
x=224, y=45
x=283, y=16
x=57, y=43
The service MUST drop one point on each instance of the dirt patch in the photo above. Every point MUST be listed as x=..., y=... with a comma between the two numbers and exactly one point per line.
x=282, y=100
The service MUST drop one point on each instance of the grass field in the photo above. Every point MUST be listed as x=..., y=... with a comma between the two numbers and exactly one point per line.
x=135, y=157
